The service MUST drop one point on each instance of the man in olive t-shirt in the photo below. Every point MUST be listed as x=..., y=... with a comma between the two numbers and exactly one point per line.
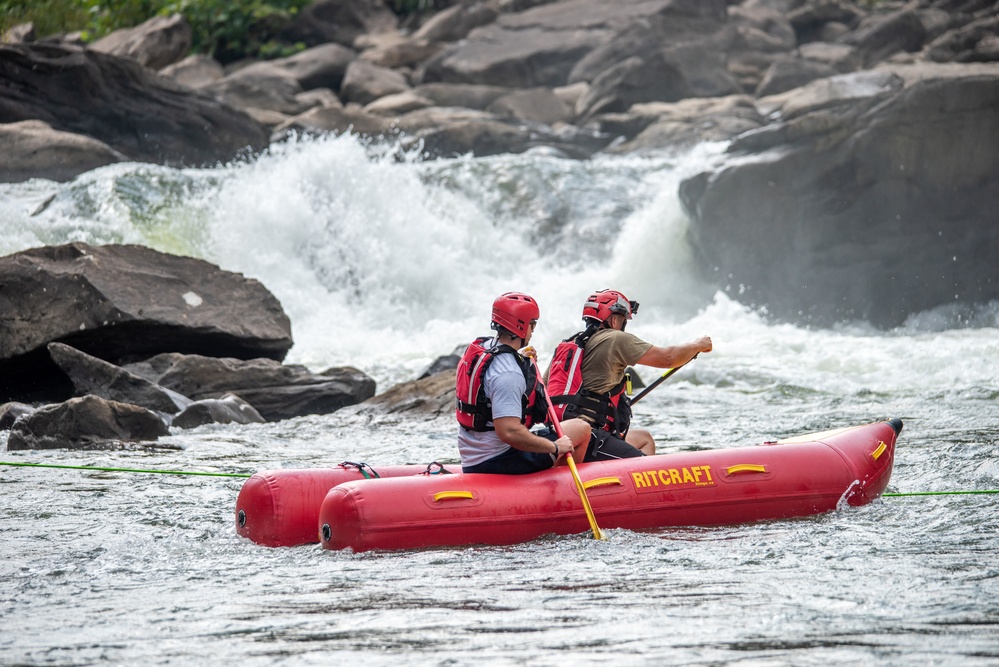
x=609, y=351
x=608, y=354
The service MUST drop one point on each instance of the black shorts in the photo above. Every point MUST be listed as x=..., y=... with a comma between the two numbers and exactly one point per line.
x=606, y=447
x=517, y=462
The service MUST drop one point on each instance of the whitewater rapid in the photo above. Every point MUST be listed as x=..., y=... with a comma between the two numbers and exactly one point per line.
x=384, y=261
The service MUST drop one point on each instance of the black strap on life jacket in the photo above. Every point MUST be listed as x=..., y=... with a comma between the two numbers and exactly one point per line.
x=597, y=408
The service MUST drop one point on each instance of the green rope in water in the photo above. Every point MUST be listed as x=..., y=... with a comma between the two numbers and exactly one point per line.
x=158, y=472
x=937, y=493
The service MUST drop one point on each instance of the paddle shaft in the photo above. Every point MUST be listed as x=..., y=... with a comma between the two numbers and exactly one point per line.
x=662, y=378
x=597, y=535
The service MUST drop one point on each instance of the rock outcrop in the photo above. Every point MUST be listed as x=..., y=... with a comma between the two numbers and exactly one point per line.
x=872, y=198
x=96, y=377
x=850, y=148
x=122, y=302
x=87, y=422
x=32, y=149
x=276, y=391
x=160, y=41
x=117, y=101
x=230, y=409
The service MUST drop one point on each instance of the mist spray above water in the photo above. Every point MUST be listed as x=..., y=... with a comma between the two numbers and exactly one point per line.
x=383, y=261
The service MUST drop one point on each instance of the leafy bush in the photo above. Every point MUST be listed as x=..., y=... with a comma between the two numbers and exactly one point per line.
x=225, y=29
x=231, y=29
x=49, y=16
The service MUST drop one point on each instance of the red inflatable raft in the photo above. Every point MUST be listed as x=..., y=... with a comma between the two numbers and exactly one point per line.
x=800, y=476
x=280, y=508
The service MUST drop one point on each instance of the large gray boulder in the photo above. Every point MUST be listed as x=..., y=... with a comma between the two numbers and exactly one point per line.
x=335, y=119
x=676, y=25
x=425, y=399
x=872, y=197
x=10, y=412
x=260, y=86
x=195, y=71
x=230, y=409
x=883, y=35
x=971, y=42
x=156, y=43
x=124, y=302
x=657, y=127
x=119, y=102
x=97, y=377
x=88, y=422
x=364, y=82
x=274, y=390
x=537, y=105
x=339, y=21
x=32, y=149
x=455, y=22
x=465, y=95
x=790, y=73
x=541, y=45
x=319, y=67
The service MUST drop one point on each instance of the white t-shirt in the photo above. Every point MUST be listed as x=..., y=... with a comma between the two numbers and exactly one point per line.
x=505, y=386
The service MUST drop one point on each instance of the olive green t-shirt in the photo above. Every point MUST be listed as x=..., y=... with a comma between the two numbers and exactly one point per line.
x=608, y=353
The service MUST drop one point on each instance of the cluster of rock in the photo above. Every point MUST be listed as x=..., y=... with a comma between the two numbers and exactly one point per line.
x=492, y=76
x=118, y=343
x=864, y=180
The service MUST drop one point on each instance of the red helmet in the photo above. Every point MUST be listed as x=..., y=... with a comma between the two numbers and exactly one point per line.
x=607, y=302
x=516, y=312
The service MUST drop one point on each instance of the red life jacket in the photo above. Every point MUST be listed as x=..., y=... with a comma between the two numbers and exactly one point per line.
x=610, y=411
x=472, y=408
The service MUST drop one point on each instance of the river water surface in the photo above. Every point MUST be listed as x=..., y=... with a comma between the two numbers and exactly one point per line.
x=385, y=263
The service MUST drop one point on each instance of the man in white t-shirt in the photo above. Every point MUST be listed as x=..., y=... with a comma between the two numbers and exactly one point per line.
x=499, y=399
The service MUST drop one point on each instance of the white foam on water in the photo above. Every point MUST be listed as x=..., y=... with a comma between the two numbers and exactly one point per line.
x=384, y=262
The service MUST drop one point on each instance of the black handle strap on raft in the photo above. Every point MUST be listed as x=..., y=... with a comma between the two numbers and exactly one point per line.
x=361, y=469
x=440, y=469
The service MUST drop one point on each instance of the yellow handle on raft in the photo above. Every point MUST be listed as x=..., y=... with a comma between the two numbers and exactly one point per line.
x=602, y=481
x=597, y=535
x=452, y=495
x=745, y=467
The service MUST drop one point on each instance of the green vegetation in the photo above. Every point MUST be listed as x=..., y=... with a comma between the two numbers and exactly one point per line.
x=225, y=29
x=231, y=29
x=404, y=7
x=49, y=16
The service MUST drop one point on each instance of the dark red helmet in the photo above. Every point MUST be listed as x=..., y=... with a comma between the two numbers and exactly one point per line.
x=607, y=302
x=516, y=312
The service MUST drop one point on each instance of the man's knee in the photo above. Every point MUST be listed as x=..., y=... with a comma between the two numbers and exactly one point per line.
x=577, y=430
x=641, y=440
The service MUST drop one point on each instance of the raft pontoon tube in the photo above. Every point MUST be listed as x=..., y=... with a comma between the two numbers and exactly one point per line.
x=800, y=476
x=280, y=508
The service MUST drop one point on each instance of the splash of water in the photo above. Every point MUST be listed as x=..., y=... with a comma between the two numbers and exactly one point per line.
x=384, y=261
